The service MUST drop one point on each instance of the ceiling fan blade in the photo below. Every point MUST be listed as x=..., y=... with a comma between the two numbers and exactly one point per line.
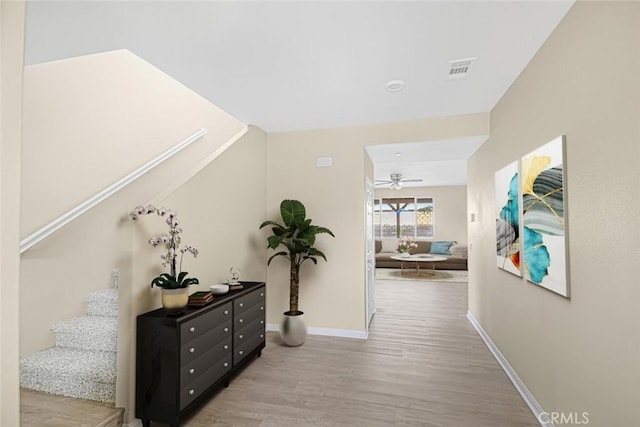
x=380, y=181
x=411, y=180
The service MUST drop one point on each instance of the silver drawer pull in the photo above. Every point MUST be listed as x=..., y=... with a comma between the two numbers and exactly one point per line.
x=191, y=371
x=261, y=294
x=241, y=321
x=192, y=349
x=262, y=308
x=261, y=335
x=192, y=329
x=226, y=347
x=241, y=304
x=226, y=329
x=262, y=322
x=240, y=336
x=191, y=391
x=226, y=312
x=241, y=352
x=226, y=364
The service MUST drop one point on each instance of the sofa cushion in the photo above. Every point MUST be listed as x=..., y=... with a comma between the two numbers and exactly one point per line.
x=389, y=245
x=378, y=246
x=441, y=248
x=459, y=250
x=422, y=248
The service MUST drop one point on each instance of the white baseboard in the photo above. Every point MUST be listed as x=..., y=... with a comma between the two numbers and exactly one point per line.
x=134, y=423
x=531, y=401
x=343, y=333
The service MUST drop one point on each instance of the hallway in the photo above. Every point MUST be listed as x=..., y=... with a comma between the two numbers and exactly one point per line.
x=423, y=365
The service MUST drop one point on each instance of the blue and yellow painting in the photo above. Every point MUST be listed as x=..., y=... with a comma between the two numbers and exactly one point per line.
x=544, y=217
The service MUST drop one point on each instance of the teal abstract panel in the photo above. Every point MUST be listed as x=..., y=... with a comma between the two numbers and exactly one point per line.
x=507, y=219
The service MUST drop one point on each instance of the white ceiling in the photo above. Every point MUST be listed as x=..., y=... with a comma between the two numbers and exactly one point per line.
x=284, y=65
x=442, y=162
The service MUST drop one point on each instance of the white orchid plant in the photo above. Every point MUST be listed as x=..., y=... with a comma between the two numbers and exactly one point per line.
x=176, y=278
x=406, y=243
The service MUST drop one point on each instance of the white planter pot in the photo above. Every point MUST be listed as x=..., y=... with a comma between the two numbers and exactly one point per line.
x=293, y=331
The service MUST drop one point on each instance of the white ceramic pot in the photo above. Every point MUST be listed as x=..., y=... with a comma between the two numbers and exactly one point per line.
x=293, y=331
x=174, y=300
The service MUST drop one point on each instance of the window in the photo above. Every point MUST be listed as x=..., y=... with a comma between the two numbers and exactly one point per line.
x=403, y=217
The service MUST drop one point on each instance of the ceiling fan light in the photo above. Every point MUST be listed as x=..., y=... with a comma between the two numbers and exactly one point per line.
x=395, y=85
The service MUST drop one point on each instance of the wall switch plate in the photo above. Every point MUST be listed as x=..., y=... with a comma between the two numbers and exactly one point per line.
x=324, y=162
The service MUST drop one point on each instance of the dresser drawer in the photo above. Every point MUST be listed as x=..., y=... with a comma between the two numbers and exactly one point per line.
x=240, y=351
x=246, y=302
x=201, y=324
x=248, y=330
x=203, y=382
x=248, y=316
x=191, y=371
x=205, y=342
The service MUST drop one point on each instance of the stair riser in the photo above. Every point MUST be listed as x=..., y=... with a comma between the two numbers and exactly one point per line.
x=83, y=342
x=98, y=333
x=102, y=303
x=72, y=387
x=102, y=309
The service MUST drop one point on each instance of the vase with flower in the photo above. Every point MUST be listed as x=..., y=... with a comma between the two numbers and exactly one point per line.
x=405, y=244
x=174, y=284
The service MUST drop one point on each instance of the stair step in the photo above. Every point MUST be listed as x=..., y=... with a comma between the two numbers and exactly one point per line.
x=69, y=372
x=39, y=409
x=102, y=303
x=98, y=333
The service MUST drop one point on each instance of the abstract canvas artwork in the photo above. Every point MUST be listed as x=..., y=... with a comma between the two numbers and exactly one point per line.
x=544, y=231
x=507, y=219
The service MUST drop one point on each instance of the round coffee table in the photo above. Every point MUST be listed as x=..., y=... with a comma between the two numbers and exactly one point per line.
x=418, y=258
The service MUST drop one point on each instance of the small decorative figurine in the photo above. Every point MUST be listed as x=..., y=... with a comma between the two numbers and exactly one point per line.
x=234, y=276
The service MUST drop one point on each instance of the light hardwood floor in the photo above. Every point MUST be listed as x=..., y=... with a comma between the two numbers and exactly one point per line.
x=423, y=365
x=43, y=409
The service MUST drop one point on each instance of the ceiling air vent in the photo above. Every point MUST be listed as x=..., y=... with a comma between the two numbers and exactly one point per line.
x=460, y=68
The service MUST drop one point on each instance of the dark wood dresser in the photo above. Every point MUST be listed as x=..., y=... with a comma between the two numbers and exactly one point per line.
x=181, y=359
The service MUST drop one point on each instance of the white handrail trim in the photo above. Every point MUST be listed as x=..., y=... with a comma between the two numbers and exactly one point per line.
x=179, y=182
x=36, y=237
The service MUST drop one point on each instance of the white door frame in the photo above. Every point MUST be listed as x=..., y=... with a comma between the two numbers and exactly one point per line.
x=370, y=304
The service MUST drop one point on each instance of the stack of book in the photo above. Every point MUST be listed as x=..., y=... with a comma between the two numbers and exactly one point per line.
x=235, y=286
x=199, y=299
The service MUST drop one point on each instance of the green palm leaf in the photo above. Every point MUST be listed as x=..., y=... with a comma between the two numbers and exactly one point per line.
x=298, y=236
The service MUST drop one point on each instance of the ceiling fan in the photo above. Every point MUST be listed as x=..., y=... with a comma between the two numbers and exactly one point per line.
x=396, y=181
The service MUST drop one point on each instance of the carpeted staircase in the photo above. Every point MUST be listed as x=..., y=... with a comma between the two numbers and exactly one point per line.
x=82, y=363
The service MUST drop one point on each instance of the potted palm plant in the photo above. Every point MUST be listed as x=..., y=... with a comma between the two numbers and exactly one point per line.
x=297, y=236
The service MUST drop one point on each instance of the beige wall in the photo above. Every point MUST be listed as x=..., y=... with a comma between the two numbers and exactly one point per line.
x=92, y=120
x=11, y=62
x=333, y=294
x=223, y=206
x=112, y=121
x=220, y=210
x=577, y=355
x=450, y=208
